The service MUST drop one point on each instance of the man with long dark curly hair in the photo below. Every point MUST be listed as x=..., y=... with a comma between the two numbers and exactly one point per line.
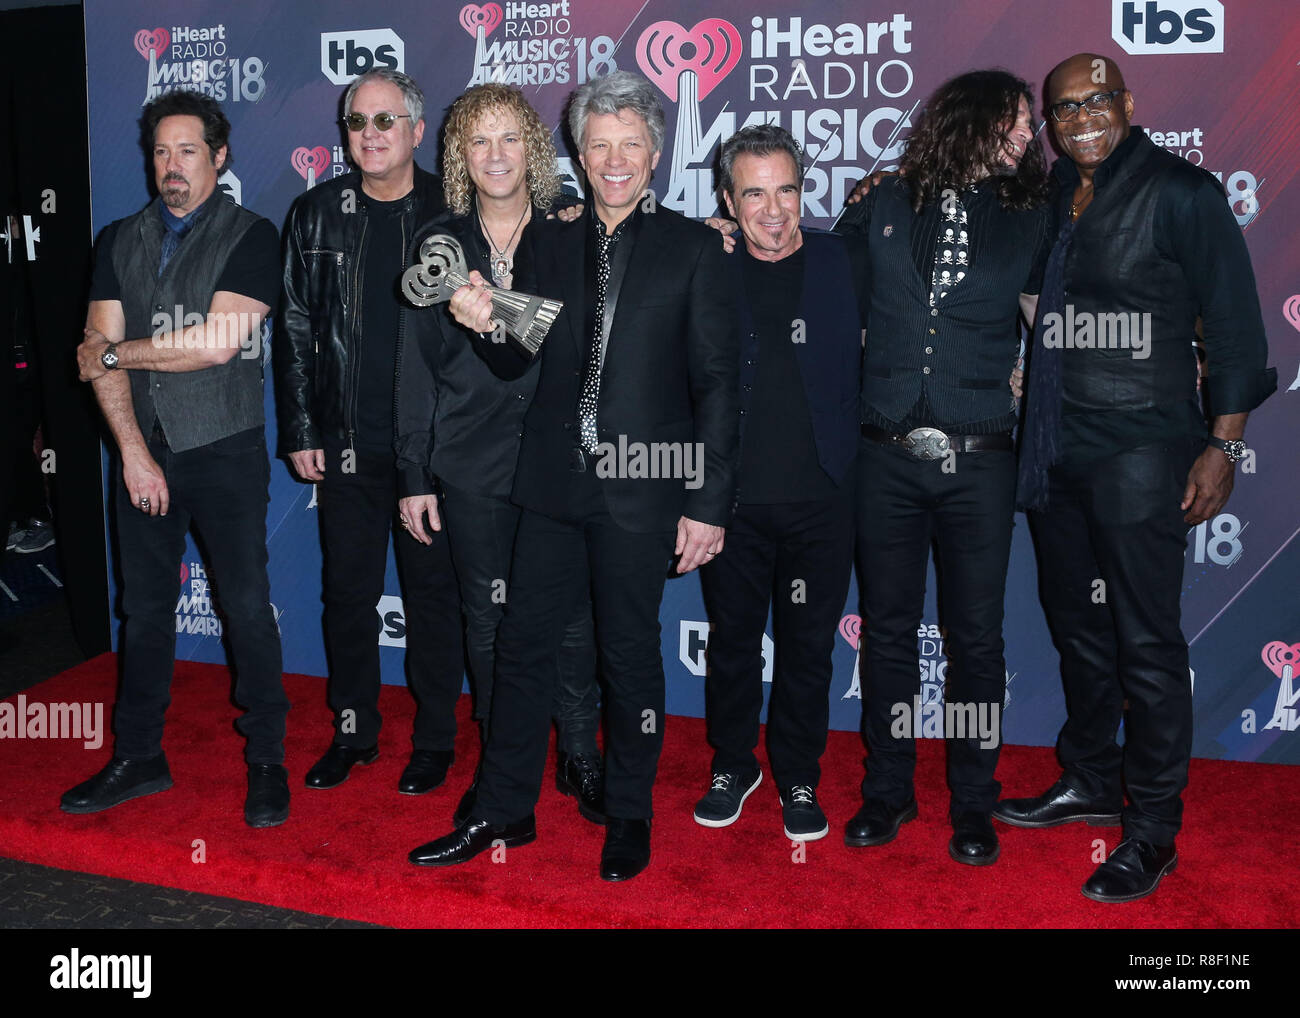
x=955, y=246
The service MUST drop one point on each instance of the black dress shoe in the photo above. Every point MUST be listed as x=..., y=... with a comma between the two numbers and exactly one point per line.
x=583, y=778
x=332, y=769
x=1060, y=804
x=876, y=823
x=1133, y=871
x=426, y=771
x=627, y=849
x=267, y=804
x=118, y=782
x=973, y=840
x=471, y=838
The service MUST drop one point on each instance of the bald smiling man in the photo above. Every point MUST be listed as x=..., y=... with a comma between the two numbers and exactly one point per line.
x=1118, y=460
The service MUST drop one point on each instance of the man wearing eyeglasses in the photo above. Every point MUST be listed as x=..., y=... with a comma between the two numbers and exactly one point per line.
x=335, y=360
x=1116, y=463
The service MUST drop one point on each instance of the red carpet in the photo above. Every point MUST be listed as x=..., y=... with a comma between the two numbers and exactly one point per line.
x=343, y=851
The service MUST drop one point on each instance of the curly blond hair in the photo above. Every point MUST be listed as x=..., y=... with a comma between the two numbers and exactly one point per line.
x=543, y=177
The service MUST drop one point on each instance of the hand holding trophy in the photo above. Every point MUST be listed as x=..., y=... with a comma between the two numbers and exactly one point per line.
x=441, y=271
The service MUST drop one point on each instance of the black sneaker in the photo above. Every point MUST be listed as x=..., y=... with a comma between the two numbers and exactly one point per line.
x=803, y=818
x=720, y=807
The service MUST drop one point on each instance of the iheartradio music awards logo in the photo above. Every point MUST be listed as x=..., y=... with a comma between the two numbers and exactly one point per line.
x=535, y=44
x=1282, y=660
x=312, y=163
x=933, y=663
x=198, y=59
x=795, y=70
x=1291, y=312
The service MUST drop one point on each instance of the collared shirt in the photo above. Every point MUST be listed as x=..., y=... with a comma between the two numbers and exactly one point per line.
x=1195, y=228
x=622, y=241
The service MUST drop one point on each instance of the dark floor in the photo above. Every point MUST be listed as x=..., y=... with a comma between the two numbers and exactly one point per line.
x=36, y=643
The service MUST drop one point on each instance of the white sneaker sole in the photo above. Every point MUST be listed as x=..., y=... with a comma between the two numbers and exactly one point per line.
x=814, y=836
x=728, y=821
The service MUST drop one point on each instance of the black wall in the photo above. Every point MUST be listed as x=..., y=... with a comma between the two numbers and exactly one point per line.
x=44, y=174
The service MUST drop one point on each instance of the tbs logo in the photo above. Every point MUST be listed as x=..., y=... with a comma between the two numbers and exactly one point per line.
x=1167, y=26
x=345, y=55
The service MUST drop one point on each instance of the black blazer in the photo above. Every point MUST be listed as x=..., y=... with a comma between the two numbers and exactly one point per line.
x=670, y=375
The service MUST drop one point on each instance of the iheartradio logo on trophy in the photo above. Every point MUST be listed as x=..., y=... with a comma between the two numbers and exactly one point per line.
x=1282, y=660
x=311, y=163
x=186, y=57
x=686, y=65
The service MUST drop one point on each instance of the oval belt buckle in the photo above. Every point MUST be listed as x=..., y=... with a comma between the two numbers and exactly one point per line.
x=927, y=443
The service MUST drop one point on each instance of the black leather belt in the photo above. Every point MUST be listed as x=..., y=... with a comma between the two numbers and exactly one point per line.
x=933, y=444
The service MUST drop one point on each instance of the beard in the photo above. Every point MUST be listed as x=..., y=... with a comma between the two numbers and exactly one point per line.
x=178, y=196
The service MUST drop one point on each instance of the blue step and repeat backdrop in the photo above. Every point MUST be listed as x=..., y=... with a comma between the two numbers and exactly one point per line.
x=1215, y=82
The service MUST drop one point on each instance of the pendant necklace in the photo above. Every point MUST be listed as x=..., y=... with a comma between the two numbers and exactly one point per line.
x=502, y=264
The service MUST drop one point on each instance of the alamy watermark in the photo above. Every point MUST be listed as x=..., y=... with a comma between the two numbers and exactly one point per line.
x=653, y=460
x=25, y=720
x=1086, y=330
x=193, y=330
x=950, y=720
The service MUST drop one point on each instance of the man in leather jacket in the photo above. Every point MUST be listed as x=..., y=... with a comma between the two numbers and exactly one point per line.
x=1117, y=460
x=335, y=360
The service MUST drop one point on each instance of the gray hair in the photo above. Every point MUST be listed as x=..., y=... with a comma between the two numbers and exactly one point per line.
x=614, y=93
x=411, y=94
x=756, y=140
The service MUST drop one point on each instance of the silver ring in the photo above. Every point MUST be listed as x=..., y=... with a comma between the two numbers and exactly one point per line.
x=144, y=502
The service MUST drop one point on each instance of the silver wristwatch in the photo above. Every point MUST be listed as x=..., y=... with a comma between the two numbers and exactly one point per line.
x=109, y=357
x=1234, y=449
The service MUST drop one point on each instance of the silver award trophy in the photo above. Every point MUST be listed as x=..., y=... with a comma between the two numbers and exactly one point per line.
x=442, y=271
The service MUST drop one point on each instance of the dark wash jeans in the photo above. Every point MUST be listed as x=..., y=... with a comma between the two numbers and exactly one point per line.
x=221, y=489
x=1118, y=520
x=481, y=529
x=358, y=510
x=904, y=505
x=770, y=548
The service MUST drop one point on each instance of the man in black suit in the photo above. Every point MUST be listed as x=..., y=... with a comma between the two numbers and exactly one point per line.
x=628, y=460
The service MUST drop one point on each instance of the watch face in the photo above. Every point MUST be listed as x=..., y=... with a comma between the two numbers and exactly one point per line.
x=109, y=357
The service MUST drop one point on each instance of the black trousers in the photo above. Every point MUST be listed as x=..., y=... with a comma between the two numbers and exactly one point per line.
x=481, y=529
x=357, y=511
x=966, y=511
x=557, y=562
x=221, y=489
x=795, y=558
x=1118, y=521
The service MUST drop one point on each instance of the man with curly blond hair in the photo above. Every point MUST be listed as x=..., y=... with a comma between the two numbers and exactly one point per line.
x=458, y=423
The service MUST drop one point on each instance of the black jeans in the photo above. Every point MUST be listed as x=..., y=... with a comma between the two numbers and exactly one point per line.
x=357, y=511
x=1118, y=521
x=555, y=563
x=904, y=505
x=795, y=558
x=222, y=489
x=481, y=529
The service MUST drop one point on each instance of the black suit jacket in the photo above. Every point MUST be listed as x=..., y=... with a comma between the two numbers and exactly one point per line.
x=669, y=376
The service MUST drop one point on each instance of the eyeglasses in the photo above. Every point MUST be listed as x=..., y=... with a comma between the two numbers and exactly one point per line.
x=383, y=121
x=1099, y=103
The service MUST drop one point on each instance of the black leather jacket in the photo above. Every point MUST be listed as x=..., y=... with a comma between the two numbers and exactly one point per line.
x=314, y=351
